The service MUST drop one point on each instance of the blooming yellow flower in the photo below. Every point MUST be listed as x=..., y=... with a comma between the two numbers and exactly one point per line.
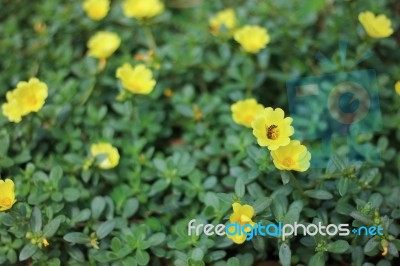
x=397, y=87
x=27, y=97
x=252, y=38
x=244, y=112
x=272, y=129
x=376, y=26
x=111, y=154
x=142, y=9
x=225, y=18
x=7, y=194
x=242, y=214
x=294, y=156
x=96, y=9
x=138, y=79
x=103, y=44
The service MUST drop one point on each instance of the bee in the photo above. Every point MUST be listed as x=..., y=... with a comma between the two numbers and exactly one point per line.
x=272, y=132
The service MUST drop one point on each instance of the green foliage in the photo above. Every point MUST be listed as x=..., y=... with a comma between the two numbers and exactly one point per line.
x=182, y=156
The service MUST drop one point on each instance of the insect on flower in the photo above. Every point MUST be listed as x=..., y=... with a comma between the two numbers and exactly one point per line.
x=272, y=131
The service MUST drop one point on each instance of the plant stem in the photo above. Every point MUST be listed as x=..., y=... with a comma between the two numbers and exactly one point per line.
x=296, y=183
x=150, y=38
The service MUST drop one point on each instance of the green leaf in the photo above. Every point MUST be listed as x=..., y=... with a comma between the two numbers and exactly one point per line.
x=27, y=251
x=77, y=238
x=261, y=204
x=83, y=215
x=76, y=254
x=105, y=229
x=239, y=187
x=361, y=217
x=51, y=228
x=36, y=220
x=340, y=246
x=285, y=175
x=71, y=194
x=158, y=186
x=338, y=162
x=160, y=165
x=56, y=173
x=343, y=186
x=6, y=162
x=319, y=194
x=142, y=257
x=4, y=144
x=285, y=255
x=212, y=200
x=233, y=262
x=12, y=256
x=97, y=206
x=130, y=208
x=156, y=239
x=371, y=246
x=197, y=254
x=317, y=260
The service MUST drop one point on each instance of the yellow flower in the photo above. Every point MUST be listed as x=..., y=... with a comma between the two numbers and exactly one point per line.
x=7, y=194
x=27, y=97
x=397, y=87
x=272, y=129
x=252, y=38
x=111, y=155
x=244, y=112
x=96, y=9
x=223, y=19
x=292, y=157
x=138, y=79
x=168, y=93
x=197, y=112
x=242, y=215
x=12, y=109
x=142, y=9
x=375, y=26
x=103, y=44
x=45, y=242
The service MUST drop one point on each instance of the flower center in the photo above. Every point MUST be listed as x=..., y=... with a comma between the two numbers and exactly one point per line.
x=249, y=118
x=273, y=132
x=288, y=162
x=5, y=202
x=133, y=84
x=32, y=100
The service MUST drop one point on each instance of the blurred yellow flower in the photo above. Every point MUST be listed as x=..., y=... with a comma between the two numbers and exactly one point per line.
x=252, y=38
x=45, y=242
x=168, y=93
x=294, y=156
x=40, y=27
x=198, y=114
x=138, y=79
x=397, y=87
x=110, y=153
x=223, y=19
x=7, y=194
x=242, y=214
x=244, y=112
x=103, y=44
x=272, y=129
x=376, y=26
x=27, y=97
x=142, y=9
x=96, y=9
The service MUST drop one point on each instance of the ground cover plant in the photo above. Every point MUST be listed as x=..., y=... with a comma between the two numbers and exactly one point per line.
x=124, y=120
